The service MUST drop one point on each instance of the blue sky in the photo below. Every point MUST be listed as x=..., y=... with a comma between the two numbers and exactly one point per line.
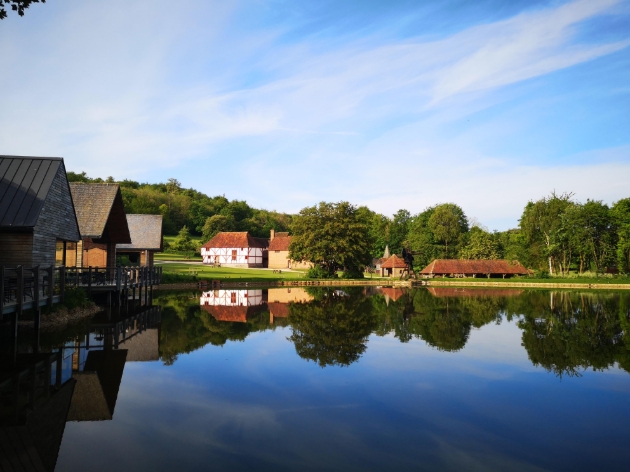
x=396, y=104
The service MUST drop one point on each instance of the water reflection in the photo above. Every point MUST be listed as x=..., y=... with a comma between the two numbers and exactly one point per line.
x=564, y=332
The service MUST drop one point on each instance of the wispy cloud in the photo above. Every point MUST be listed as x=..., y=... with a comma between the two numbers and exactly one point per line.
x=140, y=94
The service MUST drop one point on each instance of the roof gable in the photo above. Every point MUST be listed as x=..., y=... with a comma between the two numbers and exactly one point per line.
x=145, y=231
x=100, y=211
x=394, y=262
x=280, y=243
x=24, y=185
x=236, y=239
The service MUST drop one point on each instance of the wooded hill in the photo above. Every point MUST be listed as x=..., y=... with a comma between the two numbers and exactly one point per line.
x=556, y=234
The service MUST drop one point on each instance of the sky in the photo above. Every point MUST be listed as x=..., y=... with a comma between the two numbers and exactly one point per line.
x=390, y=104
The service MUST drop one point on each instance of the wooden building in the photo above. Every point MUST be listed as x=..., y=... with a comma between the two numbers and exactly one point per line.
x=473, y=268
x=146, y=239
x=393, y=267
x=279, y=253
x=38, y=224
x=235, y=249
x=102, y=223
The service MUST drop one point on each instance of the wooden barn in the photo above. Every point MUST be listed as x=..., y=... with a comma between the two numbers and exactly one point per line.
x=102, y=223
x=279, y=253
x=473, y=268
x=146, y=239
x=38, y=224
x=393, y=267
x=235, y=249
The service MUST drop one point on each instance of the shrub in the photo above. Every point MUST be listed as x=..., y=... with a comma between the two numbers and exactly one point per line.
x=352, y=273
x=319, y=272
x=75, y=297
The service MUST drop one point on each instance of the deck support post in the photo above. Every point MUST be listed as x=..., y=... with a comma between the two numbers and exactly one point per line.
x=1, y=292
x=90, y=280
x=51, y=285
x=58, y=368
x=36, y=310
x=62, y=283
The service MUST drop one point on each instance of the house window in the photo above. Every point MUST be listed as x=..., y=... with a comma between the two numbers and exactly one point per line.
x=60, y=253
x=246, y=257
x=233, y=254
x=233, y=297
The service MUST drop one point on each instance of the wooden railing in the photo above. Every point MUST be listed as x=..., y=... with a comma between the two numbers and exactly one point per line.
x=22, y=288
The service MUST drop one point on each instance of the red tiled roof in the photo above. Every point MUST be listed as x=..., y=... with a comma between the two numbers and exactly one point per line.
x=236, y=239
x=460, y=266
x=280, y=243
x=393, y=293
x=279, y=310
x=466, y=292
x=394, y=262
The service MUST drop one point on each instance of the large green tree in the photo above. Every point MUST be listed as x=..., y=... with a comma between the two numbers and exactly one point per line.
x=334, y=236
x=448, y=223
x=620, y=213
x=481, y=245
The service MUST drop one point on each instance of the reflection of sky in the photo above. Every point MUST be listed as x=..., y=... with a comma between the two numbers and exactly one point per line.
x=257, y=405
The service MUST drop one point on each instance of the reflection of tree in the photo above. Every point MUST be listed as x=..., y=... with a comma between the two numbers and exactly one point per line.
x=333, y=328
x=442, y=322
x=568, y=332
x=186, y=328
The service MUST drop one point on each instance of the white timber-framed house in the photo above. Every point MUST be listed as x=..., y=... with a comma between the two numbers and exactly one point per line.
x=235, y=249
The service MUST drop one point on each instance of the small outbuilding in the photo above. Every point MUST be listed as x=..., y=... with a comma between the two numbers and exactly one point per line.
x=38, y=224
x=279, y=253
x=146, y=239
x=473, y=268
x=393, y=267
x=235, y=249
x=102, y=223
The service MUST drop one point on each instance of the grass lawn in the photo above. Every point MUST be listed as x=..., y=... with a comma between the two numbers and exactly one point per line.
x=173, y=273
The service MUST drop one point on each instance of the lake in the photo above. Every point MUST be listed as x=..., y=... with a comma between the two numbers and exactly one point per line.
x=348, y=378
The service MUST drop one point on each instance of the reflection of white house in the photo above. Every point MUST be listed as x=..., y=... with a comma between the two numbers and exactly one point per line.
x=232, y=298
x=232, y=305
x=235, y=249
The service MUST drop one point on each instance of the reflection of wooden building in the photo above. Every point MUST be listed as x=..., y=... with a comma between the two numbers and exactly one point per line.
x=279, y=253
x=473, y=268
x=391, y=293
x=38, y=224
x=288, y=295
x=232, y=305
x=96, y=391
x=102, y=223
x=146, y=239
x=393, y=267
x=235, y=249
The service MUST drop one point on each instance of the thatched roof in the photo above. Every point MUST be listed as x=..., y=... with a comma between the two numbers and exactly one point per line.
x=483, y=267
x=145, y=231
x=100, y=211
x=240, y=239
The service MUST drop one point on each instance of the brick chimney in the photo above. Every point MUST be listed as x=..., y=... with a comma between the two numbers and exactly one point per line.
x=273, y=234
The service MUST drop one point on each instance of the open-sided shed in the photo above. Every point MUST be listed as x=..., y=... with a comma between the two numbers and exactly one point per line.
x=38, y=224
x=146, y=238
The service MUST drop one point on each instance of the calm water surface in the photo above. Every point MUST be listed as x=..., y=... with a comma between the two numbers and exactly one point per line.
x=352, y=379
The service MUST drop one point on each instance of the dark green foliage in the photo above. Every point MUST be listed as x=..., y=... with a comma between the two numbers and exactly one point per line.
x=183, y=242
x=76, y=298
x=195, y=210
x=332, y=329
x=16, y=5
x=318, y=272
x=334, y=236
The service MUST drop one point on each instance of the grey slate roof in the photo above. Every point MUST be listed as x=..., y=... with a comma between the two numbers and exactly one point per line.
x=24, y=185
x=94, y=203
x=146, y=233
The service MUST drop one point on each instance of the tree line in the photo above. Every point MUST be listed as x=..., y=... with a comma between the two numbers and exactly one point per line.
x=556, y=234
